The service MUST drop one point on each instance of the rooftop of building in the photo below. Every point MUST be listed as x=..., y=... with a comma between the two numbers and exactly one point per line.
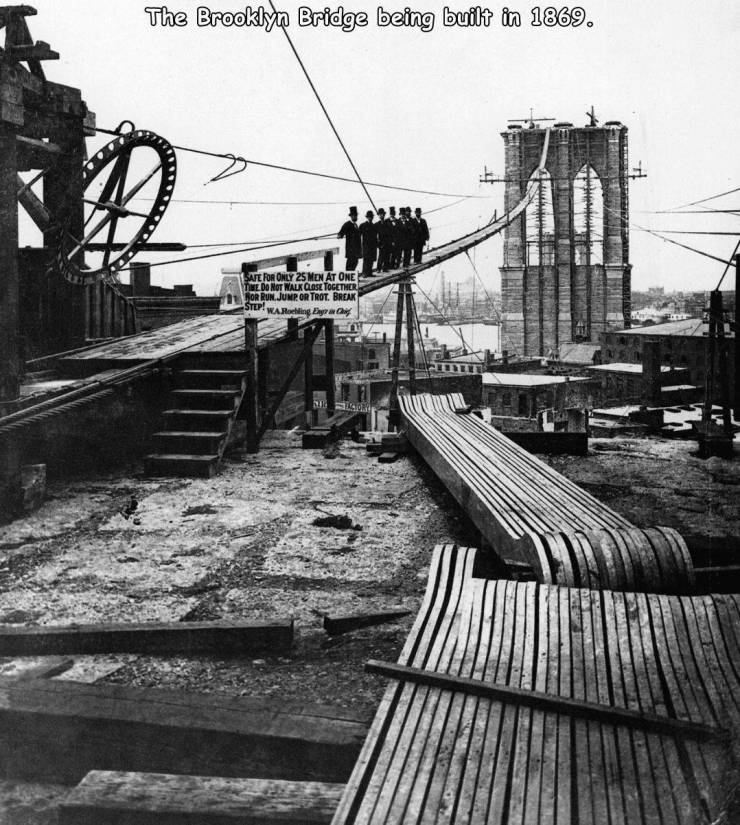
x=525, y=379
x=691, y=327
x=634, y=369
x=465, y=358
x=578, y=353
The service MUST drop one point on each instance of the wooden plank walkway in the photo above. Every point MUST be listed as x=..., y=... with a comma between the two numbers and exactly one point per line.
x=445, y=755
x=530, y=513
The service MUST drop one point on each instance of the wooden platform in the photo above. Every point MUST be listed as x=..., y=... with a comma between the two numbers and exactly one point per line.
x=446, y=756
x=208, y=333
x=531, y=514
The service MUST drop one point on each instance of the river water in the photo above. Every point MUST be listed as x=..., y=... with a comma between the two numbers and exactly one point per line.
x=476, y=336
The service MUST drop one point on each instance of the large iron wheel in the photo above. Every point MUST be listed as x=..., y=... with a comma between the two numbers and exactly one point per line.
x=108, y=204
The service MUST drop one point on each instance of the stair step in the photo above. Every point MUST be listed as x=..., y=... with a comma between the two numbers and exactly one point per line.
x=206, y=399
x=177, y=420
x=188, y=442
x=202, y=466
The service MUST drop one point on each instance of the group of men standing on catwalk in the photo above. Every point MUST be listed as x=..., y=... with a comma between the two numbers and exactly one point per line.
x=392, y=240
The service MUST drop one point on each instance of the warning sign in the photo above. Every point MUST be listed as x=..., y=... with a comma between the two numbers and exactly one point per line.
x=305, y=295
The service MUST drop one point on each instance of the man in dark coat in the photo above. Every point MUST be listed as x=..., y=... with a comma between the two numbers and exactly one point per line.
x=407, y=236
x=395, y=257
x=369, y=235
x=352, y=242
x=422, y=236
x=385, y=242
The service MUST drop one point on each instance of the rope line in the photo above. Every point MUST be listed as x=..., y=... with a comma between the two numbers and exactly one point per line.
x=327, y=176
x=667, y=240
x=233, y=251
x=324, y=109
x=705, y=200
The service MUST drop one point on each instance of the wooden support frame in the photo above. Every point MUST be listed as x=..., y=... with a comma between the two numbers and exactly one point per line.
x=308, y=376
x=331, y=400
x=410, y=336
x=605, y=714
x=310, y=337
x=393, y=413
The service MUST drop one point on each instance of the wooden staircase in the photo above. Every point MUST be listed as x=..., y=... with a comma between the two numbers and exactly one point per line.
x=204, y=403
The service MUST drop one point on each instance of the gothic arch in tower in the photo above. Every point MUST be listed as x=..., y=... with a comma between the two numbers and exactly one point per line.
x=540, y=224
x=588, y=217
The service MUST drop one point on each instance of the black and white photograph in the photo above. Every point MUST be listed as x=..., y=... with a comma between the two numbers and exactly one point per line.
x=368, y=413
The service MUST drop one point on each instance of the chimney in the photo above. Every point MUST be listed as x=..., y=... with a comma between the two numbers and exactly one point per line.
x=141, y=278
x=651, y=379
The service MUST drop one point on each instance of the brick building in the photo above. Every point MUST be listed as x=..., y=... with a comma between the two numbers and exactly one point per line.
x=526, y=395
x=682, y=344
x=565, y=275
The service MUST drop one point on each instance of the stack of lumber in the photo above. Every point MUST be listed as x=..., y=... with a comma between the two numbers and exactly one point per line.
x=641, y=692
x=533, y=515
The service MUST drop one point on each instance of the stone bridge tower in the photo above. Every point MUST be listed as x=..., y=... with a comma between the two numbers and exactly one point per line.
x=565, y=275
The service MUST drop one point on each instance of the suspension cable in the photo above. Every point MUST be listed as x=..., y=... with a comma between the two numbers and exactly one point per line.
x=279, y=167
x=324, y=110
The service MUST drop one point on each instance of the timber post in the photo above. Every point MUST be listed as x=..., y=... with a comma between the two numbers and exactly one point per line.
x=291, y=265
x=393, y=413
x=329, y=349
x=410, y=336
x=250, y=352
x=737, y=348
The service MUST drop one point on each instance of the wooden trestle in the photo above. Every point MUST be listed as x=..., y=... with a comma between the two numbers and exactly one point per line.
x=529, y=513
x=442, y=754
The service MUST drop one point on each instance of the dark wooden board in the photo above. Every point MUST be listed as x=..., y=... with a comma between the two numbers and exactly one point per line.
x=57, y=731
x=119, y=798
x=218, y=637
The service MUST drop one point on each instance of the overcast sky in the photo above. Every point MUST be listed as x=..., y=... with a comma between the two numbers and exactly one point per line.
x=416, y=109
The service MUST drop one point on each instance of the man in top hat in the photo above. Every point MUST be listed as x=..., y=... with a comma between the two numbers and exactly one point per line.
x=352, y=241
x=421, y=235
x=395, y=254
x=385, y=241
x=369, y=235
x=408, y=236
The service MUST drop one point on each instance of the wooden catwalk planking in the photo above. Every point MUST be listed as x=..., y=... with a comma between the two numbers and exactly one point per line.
x=445, y=756
x=531, y=513
x=220, y=333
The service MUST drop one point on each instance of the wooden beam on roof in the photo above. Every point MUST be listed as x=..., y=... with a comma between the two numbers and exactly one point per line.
x=58, y=731
x=113, y=797
x=218, y=637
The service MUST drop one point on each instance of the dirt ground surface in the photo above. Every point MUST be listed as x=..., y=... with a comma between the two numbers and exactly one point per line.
x=242, y=545
x=126, y=547
x=656, y=481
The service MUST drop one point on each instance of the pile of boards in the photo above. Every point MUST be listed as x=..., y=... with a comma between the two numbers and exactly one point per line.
x=528, y=513
x=531, y=703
